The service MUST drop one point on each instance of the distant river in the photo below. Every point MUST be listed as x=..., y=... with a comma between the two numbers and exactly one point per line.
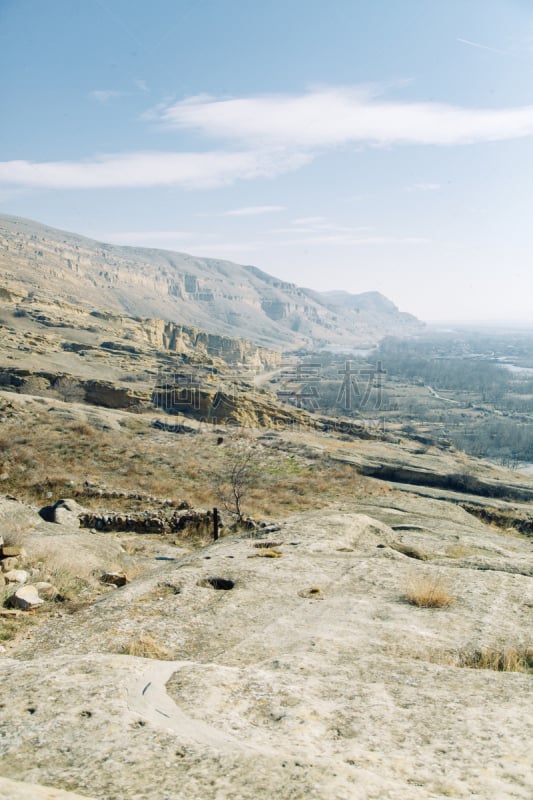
x=525, y=468
x=515, y=368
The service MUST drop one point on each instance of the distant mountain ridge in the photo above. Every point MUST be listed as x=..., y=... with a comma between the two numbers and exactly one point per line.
x=366, y=301
x=211, y=294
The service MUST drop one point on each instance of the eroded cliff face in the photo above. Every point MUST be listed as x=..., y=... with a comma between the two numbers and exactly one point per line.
x=176, y=338
x=220, y=297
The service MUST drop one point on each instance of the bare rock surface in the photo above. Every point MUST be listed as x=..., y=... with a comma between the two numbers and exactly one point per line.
x=258, y=687
x=15, y=790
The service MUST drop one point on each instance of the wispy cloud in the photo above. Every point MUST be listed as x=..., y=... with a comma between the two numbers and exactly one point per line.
x=352, y=240
x=322, y=226
x=309, y=221
x=483, y=47
x=266, y=136
x=105, y=95
x=142, y=86
x=337, y=116
x=229, y=249
x=424, y=187
x=188, y=170
x=144, y=237
x=233, y=249
x=252, y=211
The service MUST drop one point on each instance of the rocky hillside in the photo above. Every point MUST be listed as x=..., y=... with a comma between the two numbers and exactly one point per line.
x=217, y=296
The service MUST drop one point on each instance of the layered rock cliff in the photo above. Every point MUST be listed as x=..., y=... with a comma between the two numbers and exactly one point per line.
x=217, y=296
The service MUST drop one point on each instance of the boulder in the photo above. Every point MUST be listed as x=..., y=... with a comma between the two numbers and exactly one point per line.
x=16, y=576
x=65, y=512
x=7, y=564
x=12, y=551
x=47, y=591
x=26, y=598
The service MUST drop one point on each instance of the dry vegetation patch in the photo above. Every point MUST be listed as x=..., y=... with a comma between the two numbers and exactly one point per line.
x=510, y=658
x=145, y=646
x=428, y=591
x=42, y=453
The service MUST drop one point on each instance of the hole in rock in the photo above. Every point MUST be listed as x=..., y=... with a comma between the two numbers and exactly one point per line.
x=219, y=583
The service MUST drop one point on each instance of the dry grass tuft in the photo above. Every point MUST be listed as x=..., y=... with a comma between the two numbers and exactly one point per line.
x=82, y=429
x=427, y=591
x=11, y=627
x=266, y=553
x=144, y=646
x=499, y=659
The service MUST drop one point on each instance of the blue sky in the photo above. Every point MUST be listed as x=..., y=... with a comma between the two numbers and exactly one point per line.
x=344, y=145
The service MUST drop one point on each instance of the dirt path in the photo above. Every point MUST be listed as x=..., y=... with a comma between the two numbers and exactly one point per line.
x=434, y=394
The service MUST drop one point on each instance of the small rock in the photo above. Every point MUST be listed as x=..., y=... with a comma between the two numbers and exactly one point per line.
x=7, y=564
x=16, y=576
x=114, y=578
x=26, y=597
x=11, y=550
x=47, y=591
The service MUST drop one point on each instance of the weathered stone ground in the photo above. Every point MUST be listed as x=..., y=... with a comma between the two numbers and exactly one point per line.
x=311, y=678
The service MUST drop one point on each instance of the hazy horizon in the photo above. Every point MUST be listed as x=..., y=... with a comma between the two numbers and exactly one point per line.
x=360, y=147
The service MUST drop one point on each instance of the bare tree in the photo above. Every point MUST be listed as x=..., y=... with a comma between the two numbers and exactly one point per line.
x=69, y=390
x=241, y=470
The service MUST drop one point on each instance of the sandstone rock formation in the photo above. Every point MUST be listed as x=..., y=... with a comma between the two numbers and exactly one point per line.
x=217, y=296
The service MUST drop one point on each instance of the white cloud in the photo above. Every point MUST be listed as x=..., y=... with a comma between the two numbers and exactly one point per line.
x=129, y=170
x=252, y=211
x=309, y=221
x=336, y=116
x=352, y=240
x=139, y=237
x=229, y=249
x=104, y=95
x=424, y=187
x=272, y=135
x=483, y=47
x=321, y=225
x=234, y=249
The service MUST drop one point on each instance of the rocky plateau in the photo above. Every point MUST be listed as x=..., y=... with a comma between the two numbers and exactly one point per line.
x=369, y=638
